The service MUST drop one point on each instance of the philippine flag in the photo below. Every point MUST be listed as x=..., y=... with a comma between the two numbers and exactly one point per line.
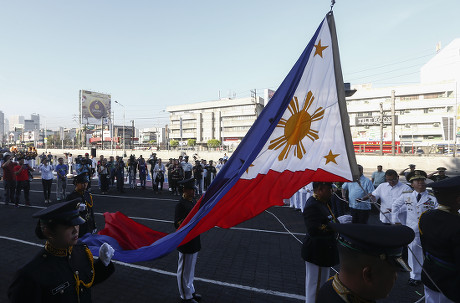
x=302, y=135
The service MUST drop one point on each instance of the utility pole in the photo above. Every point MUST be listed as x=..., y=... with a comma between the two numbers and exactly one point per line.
x=381, y=129
x=133, y=134
x=102, y=133
x=45, y=139
x=393, y=126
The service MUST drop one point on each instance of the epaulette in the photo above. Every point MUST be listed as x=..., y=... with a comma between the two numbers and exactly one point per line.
x=407, y=191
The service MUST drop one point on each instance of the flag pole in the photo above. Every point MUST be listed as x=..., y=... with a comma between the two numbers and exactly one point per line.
x=341, y=97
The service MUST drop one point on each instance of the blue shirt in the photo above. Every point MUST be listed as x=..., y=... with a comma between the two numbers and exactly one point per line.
x=356, y=192
x=61, y=170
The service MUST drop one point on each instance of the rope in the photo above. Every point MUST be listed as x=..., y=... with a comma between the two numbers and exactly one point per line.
x=284, y=226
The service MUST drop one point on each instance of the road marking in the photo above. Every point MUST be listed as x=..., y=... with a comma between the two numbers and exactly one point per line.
x=168, y=221
x=173, y=274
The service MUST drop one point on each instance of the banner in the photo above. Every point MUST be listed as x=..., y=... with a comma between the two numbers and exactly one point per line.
x=94, y=107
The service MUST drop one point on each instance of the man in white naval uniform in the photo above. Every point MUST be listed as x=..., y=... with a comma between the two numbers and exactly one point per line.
x=417, y=202
x=388, y=192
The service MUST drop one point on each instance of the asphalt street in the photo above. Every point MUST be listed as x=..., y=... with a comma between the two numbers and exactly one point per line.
x=257, y=261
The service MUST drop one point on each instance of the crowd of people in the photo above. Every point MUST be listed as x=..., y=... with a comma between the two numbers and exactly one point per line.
x=111, y=173
x=407, y=203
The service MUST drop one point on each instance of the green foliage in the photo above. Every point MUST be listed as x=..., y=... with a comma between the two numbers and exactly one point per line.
x=213, y=143
x=191, y=142
x=173, y=143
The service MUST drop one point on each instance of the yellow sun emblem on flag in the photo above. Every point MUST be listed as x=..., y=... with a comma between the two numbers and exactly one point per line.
x=297, y=127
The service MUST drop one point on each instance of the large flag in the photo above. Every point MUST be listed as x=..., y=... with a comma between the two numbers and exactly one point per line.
x=302, y=135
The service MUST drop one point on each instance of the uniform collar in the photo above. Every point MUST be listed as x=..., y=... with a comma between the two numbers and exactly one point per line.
x=346, y=294
x=58, y=252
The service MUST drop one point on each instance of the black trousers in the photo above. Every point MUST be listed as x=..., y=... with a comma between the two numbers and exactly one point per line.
x=47, y=188
x=104, y=182
x=359, y=216
x=120, y=182
x=22, y=185
x=10, y=187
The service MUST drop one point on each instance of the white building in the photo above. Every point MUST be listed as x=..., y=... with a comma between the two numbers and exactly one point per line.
x=227, y=120
x=426, y=113
x=153, y=133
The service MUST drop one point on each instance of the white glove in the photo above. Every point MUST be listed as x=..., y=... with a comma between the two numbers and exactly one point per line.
x=345, y=219
x=106, y=253
x=81, y=207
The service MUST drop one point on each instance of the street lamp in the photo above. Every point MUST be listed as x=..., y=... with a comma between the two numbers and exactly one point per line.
x=124, y=111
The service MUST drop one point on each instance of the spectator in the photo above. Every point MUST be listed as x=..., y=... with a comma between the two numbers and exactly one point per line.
x=225, y=157
x=132, y=171
x=111, y=167
x=9, y=177
x=70, y=163
x=177, y=175
x=219, y=164
x=378, y=177
x=21, y=171
x=159, y=176
x=388, y=192
x=120, y=173
x=169, y=167
x=61, y=180
x=405, y=173
x=50, y=158
x=358, y=192
x=104, y=176
x=153, y=161
x=99, y=163
x=187, y=167
x=198, y=175
x=142, y=167
x=210, y=174
x=46, y=169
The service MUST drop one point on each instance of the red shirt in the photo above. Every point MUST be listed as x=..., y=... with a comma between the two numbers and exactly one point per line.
x=8, y=172
x=23, y=175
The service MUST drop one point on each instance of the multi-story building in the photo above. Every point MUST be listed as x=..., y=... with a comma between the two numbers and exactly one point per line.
x=227, y=120
x=2, y=128
x=425, y=114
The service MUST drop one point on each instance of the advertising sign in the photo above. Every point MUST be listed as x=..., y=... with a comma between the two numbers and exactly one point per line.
x=94, y=107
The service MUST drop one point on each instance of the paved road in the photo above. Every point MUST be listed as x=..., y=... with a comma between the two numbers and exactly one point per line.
x=258, y=261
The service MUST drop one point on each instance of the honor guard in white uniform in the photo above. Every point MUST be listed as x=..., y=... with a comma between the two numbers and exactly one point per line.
x=417, y=202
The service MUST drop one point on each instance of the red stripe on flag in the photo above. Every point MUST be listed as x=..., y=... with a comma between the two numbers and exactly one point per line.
x=248, y=198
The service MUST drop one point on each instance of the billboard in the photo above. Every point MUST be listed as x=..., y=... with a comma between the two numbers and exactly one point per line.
x=94, y=106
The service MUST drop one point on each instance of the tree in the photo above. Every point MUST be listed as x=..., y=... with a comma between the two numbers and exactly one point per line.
x=173, y=143
x=153, y=142
x=191, y=142
x=213, y=143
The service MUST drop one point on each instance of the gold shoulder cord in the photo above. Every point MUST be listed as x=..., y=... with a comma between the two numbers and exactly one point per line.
x=90, y=204
x=80, y=282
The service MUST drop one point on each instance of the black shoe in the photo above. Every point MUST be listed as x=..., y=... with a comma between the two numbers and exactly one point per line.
x=413, y=282
x=197, y=297
x=188, y=301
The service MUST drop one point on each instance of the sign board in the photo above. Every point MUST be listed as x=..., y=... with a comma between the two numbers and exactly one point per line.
x=374, y=120
x=94, y=106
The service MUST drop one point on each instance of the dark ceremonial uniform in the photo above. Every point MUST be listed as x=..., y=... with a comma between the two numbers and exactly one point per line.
x=440, y=238
x=319, y=246
x=52, y=276
x=188, y=253
x=87, y=214
x=385, y=242
x=183, y=208
x=319, y=249
x=59, y=275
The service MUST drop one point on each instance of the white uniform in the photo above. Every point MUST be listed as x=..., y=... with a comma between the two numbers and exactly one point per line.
x=414, y=211
x=387, y=195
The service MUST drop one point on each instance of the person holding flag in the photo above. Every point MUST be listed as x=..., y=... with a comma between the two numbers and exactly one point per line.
x=188, y=252
x=319, y=249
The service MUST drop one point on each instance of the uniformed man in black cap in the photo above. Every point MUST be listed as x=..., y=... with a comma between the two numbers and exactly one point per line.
x=86, y=203
x=369, y=260
x=438, y=175
x=188, y=252
x=64, y=270
x=319, y=249
x=440, y=237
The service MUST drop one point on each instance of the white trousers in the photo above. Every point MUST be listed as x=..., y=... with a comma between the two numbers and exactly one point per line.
x=416, y=248
x=315, y=277
x=432, y=296
x=186, y=274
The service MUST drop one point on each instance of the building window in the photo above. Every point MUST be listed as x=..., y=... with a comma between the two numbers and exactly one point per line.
x=433, y=96
x=425, y=110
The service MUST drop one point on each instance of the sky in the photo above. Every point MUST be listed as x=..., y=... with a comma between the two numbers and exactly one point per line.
x=152, y=54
